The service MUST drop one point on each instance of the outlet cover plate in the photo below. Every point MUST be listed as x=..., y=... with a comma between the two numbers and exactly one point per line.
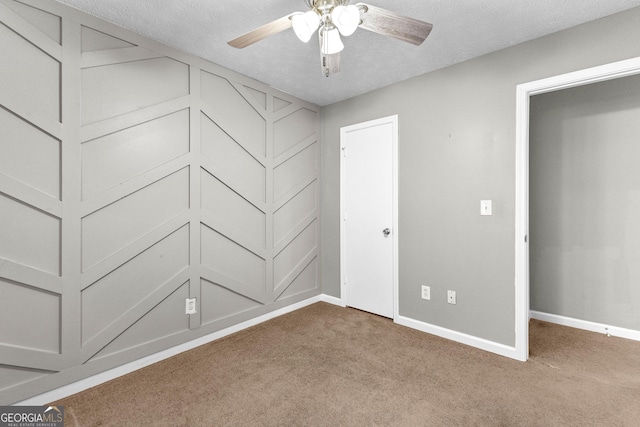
x=426, y=292
x=451, y=297
x=190, y=306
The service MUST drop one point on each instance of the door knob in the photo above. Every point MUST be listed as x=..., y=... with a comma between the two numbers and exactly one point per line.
x=386, y=232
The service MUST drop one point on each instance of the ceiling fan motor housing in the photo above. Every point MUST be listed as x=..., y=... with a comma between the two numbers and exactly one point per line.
x=325, y=6
x=327, y=9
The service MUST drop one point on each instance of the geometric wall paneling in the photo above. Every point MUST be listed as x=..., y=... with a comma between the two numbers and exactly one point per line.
x=94, y=40
x=117, y=157
x=111, y=90
x=295, y=257
x=258, y=96
x=34, y=309
x=305, y=281
x=107, y=265
x=228, y=213
x=114, y=302
x=300, y=168
x=30, y=79
x=231, y=163
x=117, y=225
x=12, y=376
x=233, y=266
x=218, y=302
x=235, y=111
x=28, y=308
x=133, y=176
x=19, y=273
x=164, y=320
x=30, y=196
x=253, y=97
x=279, y=104
x=27, y=359
x=29, y=236
x=101, y=58
x=134, y=118
x=47, y=23
x=293, y=129
x=301, y=209
x=29, y=155
x=35, y=28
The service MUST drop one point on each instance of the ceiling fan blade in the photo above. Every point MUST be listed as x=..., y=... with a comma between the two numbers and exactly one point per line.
x=391, y=24
x=262, y=32
x=330, y=63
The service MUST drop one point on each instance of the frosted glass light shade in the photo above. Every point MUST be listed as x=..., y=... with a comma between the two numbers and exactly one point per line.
x=346, y=18
x=305, y=24
x=330, y=41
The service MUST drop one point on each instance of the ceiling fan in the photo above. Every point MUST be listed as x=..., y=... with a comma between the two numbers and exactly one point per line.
x=333, y=18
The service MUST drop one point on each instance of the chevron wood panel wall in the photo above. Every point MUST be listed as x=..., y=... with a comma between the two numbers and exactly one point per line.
x=133, y=177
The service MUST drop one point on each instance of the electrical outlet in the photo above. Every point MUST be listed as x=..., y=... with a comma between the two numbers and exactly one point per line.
x=451, y=297
x=190, y=306
x=426, y=292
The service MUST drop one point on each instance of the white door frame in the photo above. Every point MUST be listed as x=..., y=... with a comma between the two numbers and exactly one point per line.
x=393, y=120
x=523, y=93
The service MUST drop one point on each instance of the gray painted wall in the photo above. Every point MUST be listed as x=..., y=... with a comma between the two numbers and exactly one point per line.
x=585, y=202
x=133, y=176
x=456, y=147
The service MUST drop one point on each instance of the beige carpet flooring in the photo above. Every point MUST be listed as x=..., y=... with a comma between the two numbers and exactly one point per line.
x=329, y=366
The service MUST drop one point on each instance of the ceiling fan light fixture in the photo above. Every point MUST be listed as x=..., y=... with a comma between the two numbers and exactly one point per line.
x=346, y=19
x=333, y=19
x=305, y=24
x=330, y=41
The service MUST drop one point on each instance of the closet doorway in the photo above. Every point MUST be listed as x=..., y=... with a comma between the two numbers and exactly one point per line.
x=524, y=93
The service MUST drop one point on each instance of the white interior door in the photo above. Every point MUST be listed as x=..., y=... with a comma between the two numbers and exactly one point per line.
x=368, y=205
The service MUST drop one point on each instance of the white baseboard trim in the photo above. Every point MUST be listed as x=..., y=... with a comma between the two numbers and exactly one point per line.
x=119, y=371
x=332, y=300
x=481, y=343
x=586, y=325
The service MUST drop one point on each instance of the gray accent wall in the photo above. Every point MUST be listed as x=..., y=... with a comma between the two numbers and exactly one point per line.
x=132, y=177
x=585, y=202
x=457, y=147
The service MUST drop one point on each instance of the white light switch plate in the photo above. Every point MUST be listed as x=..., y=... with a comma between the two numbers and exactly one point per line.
x=485, y=207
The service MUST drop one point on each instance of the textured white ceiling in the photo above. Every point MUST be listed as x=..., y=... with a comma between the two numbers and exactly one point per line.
x=463, y=29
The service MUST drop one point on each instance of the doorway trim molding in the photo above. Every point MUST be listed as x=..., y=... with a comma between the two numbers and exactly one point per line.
x=524, y=91
x=393, y=120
